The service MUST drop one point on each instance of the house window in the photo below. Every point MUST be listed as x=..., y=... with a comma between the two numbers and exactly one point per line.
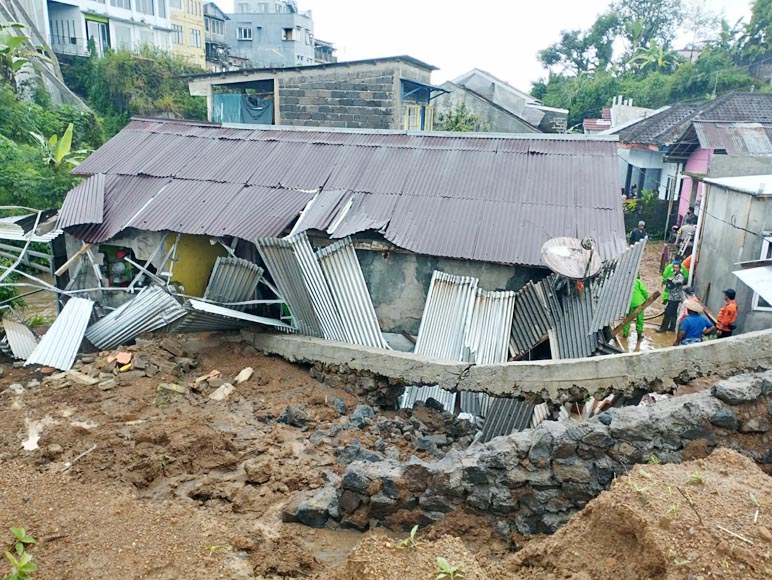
x=176, y=4
x=121, y=4
x=244, y=32
x=195, y=38
x=287, y=33
x=214, y=26
x=176, y=34
x=162, y=8
x=766, y=254
x=145, y=6
x=243, y=8
x=418, y=118
x=262, y=7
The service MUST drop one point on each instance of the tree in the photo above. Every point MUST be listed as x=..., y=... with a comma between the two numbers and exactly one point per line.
x=758, y=41
x=58, y=152
x=642, y=21
x=579, y=51
x=460, y=118
x=654, y=58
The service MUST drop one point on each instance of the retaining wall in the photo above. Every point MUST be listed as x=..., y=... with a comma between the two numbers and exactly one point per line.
x=533, y=481
x=559, y=380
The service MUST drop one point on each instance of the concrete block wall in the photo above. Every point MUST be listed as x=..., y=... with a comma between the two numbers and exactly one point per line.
x=340, y=98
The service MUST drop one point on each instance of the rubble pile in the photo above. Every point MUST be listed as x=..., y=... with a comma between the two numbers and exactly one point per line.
x=531, y=482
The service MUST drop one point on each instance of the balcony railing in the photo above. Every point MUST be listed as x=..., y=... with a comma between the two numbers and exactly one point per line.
x=69, y=45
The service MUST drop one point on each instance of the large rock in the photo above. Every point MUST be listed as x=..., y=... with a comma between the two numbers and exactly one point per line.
x=737, y=390
x=313, y=508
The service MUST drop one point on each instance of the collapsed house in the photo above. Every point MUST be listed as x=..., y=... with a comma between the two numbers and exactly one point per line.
x=365, y=237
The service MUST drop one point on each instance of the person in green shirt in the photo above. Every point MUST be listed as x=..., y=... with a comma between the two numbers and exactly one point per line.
x=640, y=294
x=667, y=274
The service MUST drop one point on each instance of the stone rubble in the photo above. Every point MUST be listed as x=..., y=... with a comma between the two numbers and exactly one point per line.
x=531, y=482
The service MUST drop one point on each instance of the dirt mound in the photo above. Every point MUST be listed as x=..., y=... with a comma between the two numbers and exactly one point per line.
x=93, y=531
x=708, y=518
x=379, y=558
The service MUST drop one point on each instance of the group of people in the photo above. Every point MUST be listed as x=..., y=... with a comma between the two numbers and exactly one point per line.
x=684, y=313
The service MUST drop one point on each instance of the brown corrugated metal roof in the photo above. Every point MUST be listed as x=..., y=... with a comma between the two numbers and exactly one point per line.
x=483, y=197
x=735, y=138
x=85, y=204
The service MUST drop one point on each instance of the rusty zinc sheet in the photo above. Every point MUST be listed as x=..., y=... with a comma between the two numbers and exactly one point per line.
x=488, y=198
x=735, y=138
x=85, y=204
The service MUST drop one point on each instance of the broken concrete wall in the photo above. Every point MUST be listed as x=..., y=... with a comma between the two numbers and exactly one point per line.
x=533, y=481
x=556, y=380
x=398, y=282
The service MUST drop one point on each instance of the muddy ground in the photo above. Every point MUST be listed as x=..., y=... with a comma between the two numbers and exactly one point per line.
x=185, y=487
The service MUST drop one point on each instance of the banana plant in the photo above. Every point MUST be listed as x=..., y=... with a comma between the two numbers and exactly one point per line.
x=58, y=151
x=13, y=53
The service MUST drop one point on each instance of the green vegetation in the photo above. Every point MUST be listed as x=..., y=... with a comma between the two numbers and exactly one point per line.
x=22, y=565
x=410, y=542
x=460, y=118
x=446, y=571
x=587, y=68
x=121, y=85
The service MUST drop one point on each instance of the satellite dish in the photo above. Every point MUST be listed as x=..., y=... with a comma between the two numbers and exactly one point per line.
x=572, y=258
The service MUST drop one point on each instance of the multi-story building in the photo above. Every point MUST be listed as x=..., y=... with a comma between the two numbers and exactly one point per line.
x=115, y=24
x=324, y=52
x=187, y=19
x=217, y=49
x=271, y=34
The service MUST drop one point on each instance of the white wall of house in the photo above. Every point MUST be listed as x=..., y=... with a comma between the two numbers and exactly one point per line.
x=130, y=25
x=658, y=175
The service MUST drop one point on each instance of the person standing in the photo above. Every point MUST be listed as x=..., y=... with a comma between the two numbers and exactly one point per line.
x=640, y=294
x=691, y=218
x=694, y=327
x=675, y=287
x=667, y=274
x=639, y=233
x=727, y=315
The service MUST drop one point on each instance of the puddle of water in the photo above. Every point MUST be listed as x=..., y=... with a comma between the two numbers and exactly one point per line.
x=35, y=430
x=651, y=339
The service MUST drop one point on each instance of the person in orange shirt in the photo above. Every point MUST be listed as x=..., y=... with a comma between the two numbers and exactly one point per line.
x=727, y=315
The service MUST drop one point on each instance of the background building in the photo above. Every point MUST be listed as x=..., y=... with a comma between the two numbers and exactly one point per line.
x=217, y=49
x=187, y=20
x=271, y=34
x=117, y=24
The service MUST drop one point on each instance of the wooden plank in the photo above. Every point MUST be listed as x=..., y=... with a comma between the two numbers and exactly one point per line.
x=71, y=261
x=630, y=317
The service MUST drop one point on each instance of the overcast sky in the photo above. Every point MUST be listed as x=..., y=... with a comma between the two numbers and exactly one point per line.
x=499, y=36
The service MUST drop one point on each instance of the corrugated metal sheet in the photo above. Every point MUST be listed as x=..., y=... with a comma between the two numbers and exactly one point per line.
x=11, y=228
x=616, y=282
x=532, y=319
x=758, y=279
x=735, y=138
x=487, y=340
x=572, y=313
x=349, y=291
x=151, y=309
x=506, y=416
x=318, y=289
x=279, y=258
x=206, y=316
x=85, y=203
x=446, y=316
x=488, y=198
x=233, y=280
x=20, y=338
x=61, y=343
x=541, y=413
x=414, y=394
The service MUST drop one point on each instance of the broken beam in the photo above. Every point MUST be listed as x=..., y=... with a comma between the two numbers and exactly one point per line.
x=630, y=317
x=74, y=258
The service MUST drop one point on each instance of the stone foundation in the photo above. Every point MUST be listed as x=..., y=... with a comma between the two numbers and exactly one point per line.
x=533, y=481
x=374, y=389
